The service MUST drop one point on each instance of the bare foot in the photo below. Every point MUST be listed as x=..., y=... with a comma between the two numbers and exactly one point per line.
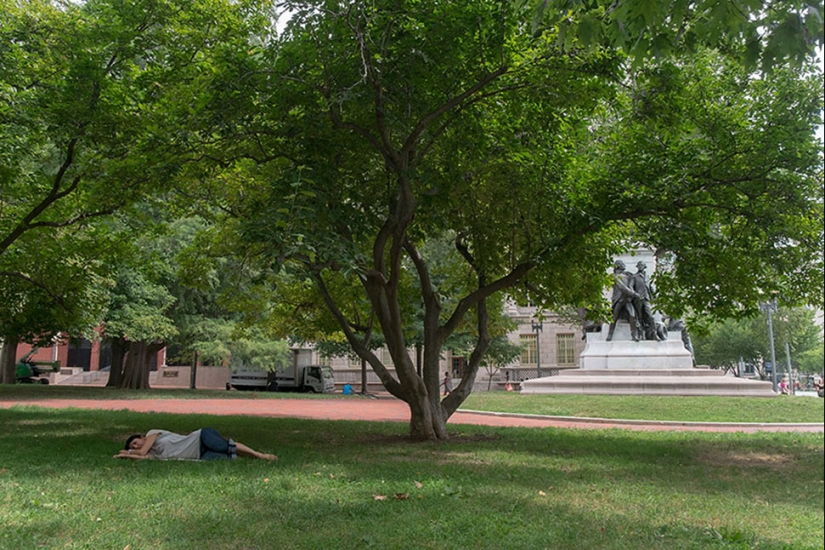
x=266, y=456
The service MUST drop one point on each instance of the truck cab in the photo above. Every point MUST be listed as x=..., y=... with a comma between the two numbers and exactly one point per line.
x=306, y=378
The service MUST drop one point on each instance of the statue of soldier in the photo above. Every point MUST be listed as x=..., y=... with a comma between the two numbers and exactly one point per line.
x=622, y=300
x=645, y=321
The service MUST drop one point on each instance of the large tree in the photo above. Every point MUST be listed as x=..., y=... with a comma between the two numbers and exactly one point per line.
x=528, y=138
x=90, y=107
x=57, y=286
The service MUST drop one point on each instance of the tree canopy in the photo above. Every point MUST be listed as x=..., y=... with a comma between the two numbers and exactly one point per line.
x=89, y=106
x=537, y=138
x=539, y=141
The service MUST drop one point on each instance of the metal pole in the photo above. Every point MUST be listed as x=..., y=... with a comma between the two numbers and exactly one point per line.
x=538, y=328
x=770, y=308
x=790, y=370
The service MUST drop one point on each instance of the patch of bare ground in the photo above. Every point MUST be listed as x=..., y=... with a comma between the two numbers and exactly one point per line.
x=750, y=459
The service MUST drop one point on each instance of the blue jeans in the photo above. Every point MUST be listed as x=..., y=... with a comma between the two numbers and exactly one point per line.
x=215, y=447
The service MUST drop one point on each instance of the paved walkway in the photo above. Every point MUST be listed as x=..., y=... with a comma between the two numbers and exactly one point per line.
x=390, y=410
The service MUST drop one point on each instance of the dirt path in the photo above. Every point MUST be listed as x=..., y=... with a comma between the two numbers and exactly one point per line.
x=388, y=410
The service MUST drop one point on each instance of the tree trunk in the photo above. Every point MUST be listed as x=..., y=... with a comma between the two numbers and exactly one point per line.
x=138, y=364
x=427, y=420
x=8, y=361
x=119, y=348
x=363, y=377
x=193, y=374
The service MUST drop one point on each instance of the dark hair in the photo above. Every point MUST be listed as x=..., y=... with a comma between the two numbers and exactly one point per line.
x=131, y=438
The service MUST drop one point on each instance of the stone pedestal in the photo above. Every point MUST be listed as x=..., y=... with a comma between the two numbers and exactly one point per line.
x=648, y=382
x=624, y=353
x=625, y=367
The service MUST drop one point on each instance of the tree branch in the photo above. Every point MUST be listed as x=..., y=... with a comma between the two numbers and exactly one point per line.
x=425, y=121
x=390, y=383
x=53, y=196
x=17, y=275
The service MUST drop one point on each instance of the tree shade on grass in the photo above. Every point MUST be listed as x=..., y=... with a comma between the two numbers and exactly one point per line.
x=357, y=485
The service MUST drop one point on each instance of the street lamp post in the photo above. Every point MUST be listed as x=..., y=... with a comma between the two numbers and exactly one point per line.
x=769, y=308
x=790, y=370
x=537, y=327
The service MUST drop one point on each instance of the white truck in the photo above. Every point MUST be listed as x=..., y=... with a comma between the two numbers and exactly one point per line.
x=295, y=377
x=306, y=378
x=248, y=377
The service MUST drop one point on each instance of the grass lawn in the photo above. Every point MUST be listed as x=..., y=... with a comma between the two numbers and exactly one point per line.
x=364, y=485
x=651, y=407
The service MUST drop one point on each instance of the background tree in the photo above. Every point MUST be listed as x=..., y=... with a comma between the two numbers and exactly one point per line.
x=502, y=352
x=87, y=96
x=811, y=361
x=538, y=155
x=58, y=289
x=220, y=311
x=138, y=322
x=726, y=342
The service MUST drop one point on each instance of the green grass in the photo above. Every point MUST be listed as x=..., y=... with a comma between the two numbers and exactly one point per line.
x=650, y=407
x=486, y=488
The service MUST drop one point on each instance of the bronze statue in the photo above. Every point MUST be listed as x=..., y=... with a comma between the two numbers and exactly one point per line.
x=645, y=321
x=622, y=300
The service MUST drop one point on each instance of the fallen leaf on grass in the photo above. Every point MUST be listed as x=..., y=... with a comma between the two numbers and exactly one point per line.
x=418, y=484
x=542, y=493
x=379, y=497
x=402, y=496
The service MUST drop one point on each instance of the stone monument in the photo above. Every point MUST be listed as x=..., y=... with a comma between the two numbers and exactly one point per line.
x=636, y=354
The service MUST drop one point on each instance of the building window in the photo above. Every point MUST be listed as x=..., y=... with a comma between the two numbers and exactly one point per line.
x=528, y=349
x=565, y=349
x=457, y=366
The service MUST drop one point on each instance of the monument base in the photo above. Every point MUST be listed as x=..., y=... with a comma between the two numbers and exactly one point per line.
x=625, y=367
x=624, y=353
x=647, y=382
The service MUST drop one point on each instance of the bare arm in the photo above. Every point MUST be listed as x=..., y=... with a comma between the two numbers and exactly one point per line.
x=139, y=454
x=132, y=454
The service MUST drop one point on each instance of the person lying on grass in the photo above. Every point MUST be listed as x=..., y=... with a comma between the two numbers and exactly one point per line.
x=203, y=444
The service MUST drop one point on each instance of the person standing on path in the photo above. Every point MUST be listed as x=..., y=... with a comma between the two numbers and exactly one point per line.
x=448, y=384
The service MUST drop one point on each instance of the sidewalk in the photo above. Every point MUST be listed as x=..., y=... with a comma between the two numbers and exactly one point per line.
x=391, y=410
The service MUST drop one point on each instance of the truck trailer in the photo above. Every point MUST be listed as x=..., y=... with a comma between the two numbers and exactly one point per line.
x=295, y=377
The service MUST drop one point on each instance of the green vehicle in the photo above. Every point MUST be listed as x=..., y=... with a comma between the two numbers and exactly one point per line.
x=31, y=372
